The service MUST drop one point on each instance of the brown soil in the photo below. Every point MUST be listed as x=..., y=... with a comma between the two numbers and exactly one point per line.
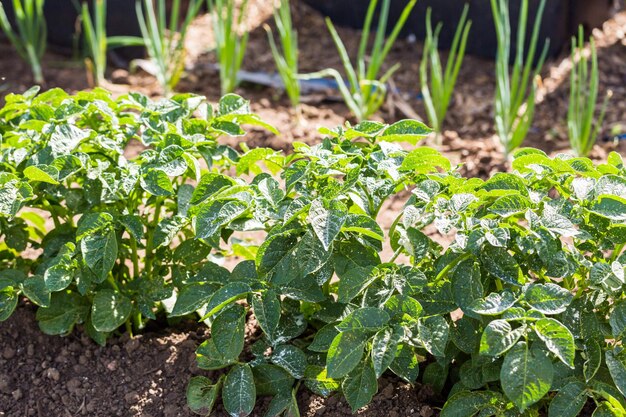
x=146, y=376
x=47, y=376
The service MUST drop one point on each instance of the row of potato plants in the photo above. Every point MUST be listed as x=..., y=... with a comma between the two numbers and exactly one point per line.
x=522, y=311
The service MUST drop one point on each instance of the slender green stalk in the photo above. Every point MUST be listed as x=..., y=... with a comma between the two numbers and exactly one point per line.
x=364, y=92
x=165, y=41
x=515, y=89
x=230, y=45
x=30, y=38
x=96, y=39
x=287, y=61
x=437, y=85
x=582, y=127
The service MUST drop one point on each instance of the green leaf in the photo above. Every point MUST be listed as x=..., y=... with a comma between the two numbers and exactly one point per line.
x=433, y=334
x=65, y=310
x=510, y=205
x=13, y=194
x=290, y=358
x=271, y=379
x=617, y=368
x=611, y=207
x=324, y=338
x=466, y=284
x=239, y=392
x=548, y=298
x=365, y=319
x=228, y=332
x=607, y=409
x=498, y=337
x=280, y=402
x=35, y=289
x=58, y=277
x=8, y=302
x=110, y=310
x=425, y=160
x=267, y=311
x=226, y=295
x=326, y=221
x=42, y=173
x=569, y=402
x=353, y=282
x=526, y=375
x=360, y=386
x=558, y=339
x=494, y=304
x=213, y=216
x=233, y=104
x=617, y=319
x=100, y=252
x=192, y=297
x=316, y=379
x=593, y=351
x=384, y=348
x=499, y=263
x=157, y=183
x=469, y=404
x=202, y=394
x=209, y=185
x=345, y=353
x=410, y=131
x=66, y=137
x=405, y=364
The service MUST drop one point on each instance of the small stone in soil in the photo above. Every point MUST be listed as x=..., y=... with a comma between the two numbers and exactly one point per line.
x=8, y=353
x=17, y=394
x=53, y=374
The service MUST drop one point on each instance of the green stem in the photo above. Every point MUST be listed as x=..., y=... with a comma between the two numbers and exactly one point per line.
x=48, y=207
x=151, y=228
x=395, y=255
x=453, y=264
x=617, y=252
x=135, y=258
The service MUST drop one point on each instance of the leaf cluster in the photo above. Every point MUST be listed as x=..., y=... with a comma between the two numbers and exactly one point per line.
x=520, y=313
x=95, y=235
x=29, y=38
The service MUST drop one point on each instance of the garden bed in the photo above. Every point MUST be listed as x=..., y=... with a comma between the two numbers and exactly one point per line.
x=141, y=377
x=147, y=376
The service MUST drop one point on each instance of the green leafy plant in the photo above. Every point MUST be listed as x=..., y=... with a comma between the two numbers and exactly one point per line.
x=516, y=90
x=582, y=126
x=536, y=267
x=364, y=91
x=287, y=61
x=165, y=41
x=230, y=44
x=534, y=259
x=437, y=84
x=121, y=229
x=31, y=37
x=96, y=39
x=97, y=43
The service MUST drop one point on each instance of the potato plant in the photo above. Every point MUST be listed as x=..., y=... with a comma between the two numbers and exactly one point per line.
x=521, y=313
x=93, y=235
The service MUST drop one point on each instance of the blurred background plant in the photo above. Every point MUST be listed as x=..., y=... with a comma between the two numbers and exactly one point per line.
x=230, y=44
x=30, y=38
x=165, y=41
x=437, y=85
x=582, y=126
x=516, y=88
x=365, y=91
x=286, y=58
